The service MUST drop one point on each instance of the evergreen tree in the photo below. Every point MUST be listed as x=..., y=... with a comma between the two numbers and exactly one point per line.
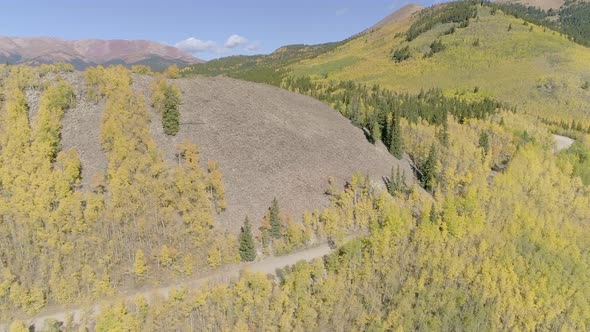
x=247, y=246
x=375, y=132
x=397, y=182
x=401, y=54
x=171, y=114
x=396, y=143
x=484, y=142
x=443, y=134
x=429, y=169
x=275, y=220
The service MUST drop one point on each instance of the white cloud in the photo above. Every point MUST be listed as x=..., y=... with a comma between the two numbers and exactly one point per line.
x=234, y=44
x=194, y=45
x=235, y=41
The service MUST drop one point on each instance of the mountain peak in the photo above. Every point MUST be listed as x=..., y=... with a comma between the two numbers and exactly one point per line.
x=87, y=52
x=400, y=14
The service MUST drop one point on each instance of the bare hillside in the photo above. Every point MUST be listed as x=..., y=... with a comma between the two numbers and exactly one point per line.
x=401, y=14
x=269, y=142
x=543, y=4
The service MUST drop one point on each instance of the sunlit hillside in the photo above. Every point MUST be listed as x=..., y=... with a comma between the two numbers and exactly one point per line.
x=528, y=66
x=430, y=173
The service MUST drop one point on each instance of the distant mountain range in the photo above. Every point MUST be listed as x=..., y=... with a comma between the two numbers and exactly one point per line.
x=89, y=52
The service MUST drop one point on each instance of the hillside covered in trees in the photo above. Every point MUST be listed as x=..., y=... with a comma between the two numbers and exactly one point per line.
x=479, y=137
x=492, y=235
x=103, y=189
x=536, y=68
x=60, y=243
x=511, y=256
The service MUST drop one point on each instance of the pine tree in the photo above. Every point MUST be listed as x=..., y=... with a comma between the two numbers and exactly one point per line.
x=247, y=246
x=429, y=169
x=396, y=143
x=171, y=114
x=397, y=182
x=375, y=132
x=275, y=220
x=484, y=142
x=443, y=133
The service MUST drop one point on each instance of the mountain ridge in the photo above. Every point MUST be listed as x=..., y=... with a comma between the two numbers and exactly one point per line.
x=83, y=53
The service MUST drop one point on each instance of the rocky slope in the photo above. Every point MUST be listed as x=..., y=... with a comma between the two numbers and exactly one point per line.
x=269, y=143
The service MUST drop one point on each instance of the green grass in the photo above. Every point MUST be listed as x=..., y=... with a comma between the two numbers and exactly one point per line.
x=261, y=68
x=326, y=68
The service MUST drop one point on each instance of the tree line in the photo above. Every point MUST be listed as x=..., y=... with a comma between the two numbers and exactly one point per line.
x=380, y=110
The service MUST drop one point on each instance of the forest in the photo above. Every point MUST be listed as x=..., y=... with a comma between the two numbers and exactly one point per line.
x=459, y=12
x=139, y=222
x=492, y=236
x=505, y=255
x=497, y=241
x=499, y=244
x=379, y=112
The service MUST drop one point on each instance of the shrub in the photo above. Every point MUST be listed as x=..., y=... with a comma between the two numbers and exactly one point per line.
x=401, y=54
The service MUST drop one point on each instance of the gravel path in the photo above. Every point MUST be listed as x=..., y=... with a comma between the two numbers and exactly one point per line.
x=225, y=274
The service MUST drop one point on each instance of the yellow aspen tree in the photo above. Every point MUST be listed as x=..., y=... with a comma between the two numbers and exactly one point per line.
x=18, y=326
x=215, y=186
x=172, y=72
x=139, y=265
x=165, y=256
x=214, y=256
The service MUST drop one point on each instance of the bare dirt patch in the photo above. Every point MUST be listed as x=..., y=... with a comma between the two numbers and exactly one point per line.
x=81, y=130
x=543, y=4
x=269, y=143
x=562, y=143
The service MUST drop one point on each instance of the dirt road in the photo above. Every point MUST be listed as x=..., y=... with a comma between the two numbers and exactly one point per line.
x=268, y=266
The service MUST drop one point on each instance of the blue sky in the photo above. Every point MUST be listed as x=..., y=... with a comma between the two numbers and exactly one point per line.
x=207, y=29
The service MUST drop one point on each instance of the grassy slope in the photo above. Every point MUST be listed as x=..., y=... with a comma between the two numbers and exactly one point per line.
x=540, y=72
x=259, y=68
